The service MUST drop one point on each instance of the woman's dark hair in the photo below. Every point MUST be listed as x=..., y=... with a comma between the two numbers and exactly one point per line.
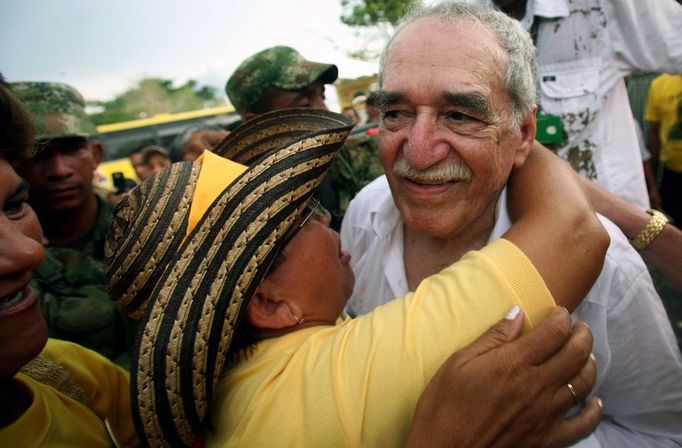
x=17, y=135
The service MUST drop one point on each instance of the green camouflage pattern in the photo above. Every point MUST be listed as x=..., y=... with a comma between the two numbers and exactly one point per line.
x=71, y=282
x=58, y=109
x=280, y=67
x=357, y=164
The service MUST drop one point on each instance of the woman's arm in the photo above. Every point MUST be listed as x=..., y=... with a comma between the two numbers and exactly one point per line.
x=555, y=226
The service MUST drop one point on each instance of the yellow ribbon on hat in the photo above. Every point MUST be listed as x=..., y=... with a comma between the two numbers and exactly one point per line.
x=215, y=175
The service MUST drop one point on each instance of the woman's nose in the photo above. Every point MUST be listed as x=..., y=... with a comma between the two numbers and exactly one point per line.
x=20, y=252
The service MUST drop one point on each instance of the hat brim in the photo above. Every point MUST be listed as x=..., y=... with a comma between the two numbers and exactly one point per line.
x=253, y=139
x=207, y=283
x=327, y=73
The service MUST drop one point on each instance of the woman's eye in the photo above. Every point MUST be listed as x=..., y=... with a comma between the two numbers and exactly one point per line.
x=15, y=208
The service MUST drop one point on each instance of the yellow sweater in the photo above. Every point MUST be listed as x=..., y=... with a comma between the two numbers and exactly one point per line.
x=54, y=419
x=356, y=384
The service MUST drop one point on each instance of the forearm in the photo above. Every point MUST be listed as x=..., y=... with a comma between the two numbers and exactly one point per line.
x=653, y=143
x=555, y=226
x=664, y=252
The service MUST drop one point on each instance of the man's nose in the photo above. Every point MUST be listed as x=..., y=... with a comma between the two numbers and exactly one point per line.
x=424, y=147
x=318, y=103
x=57, y=166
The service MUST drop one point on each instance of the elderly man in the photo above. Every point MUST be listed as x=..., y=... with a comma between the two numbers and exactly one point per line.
x=585, y=50
x=75, y=221
x=280, y=78
x=457, y=99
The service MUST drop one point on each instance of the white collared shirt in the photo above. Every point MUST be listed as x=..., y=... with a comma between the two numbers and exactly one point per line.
x=639, y=366
x=585, y=49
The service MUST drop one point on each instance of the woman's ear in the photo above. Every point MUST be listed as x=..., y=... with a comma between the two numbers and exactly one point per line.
x=267, y=312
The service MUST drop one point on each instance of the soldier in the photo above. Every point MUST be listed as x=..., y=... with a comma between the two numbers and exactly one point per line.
x=280, y=78
x=75, y=222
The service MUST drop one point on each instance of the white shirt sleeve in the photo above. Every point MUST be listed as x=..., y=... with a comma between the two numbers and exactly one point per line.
x=646, y=34
x=638, y=360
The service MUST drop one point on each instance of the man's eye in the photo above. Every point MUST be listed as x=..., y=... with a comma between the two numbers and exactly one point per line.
x=458, y=116
x=390, y=114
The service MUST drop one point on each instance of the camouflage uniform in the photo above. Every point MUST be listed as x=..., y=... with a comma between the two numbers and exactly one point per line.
x=75, y=303
x=71, y=280
x=356, y=164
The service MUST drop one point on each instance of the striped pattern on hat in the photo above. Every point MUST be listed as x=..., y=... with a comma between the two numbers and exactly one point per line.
x=250, y=141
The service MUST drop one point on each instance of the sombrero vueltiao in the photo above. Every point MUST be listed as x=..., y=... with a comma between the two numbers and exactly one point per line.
x=188, y=248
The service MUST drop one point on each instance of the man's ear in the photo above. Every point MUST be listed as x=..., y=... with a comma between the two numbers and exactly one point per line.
x=267, y=312
x=528, y=130
x=97, y=152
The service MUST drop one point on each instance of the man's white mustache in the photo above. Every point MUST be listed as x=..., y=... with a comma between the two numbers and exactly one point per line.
x=437, y=174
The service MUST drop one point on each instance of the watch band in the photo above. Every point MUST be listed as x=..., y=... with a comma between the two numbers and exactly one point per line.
x=650, y=231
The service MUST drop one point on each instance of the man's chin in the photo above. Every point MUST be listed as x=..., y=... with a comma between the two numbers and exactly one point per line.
x=58, y=207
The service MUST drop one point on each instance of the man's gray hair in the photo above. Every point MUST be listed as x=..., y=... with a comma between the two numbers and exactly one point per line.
x=521, y=75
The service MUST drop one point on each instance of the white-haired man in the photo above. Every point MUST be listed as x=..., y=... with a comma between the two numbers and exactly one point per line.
x=457, y=98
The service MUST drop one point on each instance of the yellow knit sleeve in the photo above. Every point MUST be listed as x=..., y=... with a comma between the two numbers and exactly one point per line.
x=106, y=385
x=531, y=291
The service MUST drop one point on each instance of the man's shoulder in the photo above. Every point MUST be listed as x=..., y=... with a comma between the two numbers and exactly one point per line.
x=375, y=190
x=368, y=200
x=624, y=269
x=666, y=81
x=104, y=214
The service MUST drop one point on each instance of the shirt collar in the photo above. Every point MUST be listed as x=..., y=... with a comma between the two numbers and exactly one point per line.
x=502, y=219
x=384, y=216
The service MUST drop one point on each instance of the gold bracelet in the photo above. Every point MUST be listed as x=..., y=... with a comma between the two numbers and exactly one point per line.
x=651, y=230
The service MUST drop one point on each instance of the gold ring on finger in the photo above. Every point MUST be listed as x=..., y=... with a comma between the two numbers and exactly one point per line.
x=574, y=395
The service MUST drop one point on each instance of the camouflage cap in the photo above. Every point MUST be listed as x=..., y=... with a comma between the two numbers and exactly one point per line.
x=281, y=67
x=58, y=110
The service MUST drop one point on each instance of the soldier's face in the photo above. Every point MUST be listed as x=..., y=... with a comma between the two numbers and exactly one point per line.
x=22, y=330
x=310, y=96
x=60, y=175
